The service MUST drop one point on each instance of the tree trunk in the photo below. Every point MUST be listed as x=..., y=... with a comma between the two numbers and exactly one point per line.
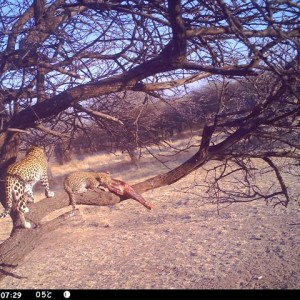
x=9, y=147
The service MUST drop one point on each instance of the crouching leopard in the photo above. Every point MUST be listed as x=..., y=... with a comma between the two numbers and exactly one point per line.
x=80, y=182
x=20, y=178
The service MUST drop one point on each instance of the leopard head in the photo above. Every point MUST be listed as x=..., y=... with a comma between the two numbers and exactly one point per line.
x=35, y=151
x=104, y=178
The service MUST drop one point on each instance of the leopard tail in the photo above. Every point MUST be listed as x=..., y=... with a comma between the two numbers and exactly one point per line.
x=5, y=213
x=8, y=195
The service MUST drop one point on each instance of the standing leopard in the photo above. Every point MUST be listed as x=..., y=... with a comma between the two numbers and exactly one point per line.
x=20, y=178
x=80, y=182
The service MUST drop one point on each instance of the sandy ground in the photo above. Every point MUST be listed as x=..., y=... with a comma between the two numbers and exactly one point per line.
x=180, y=244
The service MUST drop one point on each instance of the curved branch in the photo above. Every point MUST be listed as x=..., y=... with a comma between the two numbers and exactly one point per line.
x=27, y=239
x=23, y=241
x=280, y=180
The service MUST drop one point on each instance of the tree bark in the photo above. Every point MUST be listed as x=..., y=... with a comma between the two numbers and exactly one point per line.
x=8, y=154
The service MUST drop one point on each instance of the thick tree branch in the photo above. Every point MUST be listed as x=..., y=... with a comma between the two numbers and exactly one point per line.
x=213, y=31
x=179, y=41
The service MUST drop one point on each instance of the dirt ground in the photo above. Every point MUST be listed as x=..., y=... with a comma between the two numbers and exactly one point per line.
x=178, y=245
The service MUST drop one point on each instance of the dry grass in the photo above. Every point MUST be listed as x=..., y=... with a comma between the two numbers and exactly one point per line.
x=120, y=166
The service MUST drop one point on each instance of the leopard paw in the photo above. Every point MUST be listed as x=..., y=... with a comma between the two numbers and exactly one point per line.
x=49, y=194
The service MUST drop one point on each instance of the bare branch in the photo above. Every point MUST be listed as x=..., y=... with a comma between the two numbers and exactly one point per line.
x=280, y=180
x=17, y=130
x=98, y=114
x=51, y=132
x=171, y=84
